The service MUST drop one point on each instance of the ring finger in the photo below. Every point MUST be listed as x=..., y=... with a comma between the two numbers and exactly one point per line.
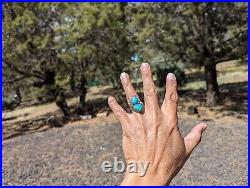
x=128, y=87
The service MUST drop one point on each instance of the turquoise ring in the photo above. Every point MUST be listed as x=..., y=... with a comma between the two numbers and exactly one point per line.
x=136, y=104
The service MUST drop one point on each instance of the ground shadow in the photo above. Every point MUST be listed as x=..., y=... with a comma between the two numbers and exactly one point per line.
x=234, y=103
x=234, y=98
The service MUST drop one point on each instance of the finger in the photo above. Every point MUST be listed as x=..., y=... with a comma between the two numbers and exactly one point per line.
x=194, y=137
x=149, y=89
x=169, y=105
x=119, y=112
x=128, y=88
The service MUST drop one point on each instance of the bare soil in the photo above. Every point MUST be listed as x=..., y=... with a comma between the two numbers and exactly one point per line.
x=73, y=156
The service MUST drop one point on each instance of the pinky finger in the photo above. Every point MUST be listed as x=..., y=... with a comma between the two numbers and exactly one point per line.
x=119, y=112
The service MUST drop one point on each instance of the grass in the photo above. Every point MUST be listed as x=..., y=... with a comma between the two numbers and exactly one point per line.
x=228, y=72
x=194, y=85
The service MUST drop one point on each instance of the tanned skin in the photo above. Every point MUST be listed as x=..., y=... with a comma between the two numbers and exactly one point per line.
x=153, y=135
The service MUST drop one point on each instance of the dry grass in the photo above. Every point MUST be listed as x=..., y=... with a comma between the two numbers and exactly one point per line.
x=31, y=112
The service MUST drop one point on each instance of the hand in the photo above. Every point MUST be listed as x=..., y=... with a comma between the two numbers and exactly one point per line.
x=154, y=135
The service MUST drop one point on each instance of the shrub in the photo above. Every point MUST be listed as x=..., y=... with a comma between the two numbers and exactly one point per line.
x=8, y=104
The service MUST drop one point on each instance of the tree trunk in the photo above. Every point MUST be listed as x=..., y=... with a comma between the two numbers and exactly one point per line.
x=212, y=94
x=62, y=103
x=72, y=81
x=82, y=96
x=56, y=92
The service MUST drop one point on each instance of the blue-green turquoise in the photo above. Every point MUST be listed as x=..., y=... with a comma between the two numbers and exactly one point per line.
x=138, y=107
x=134, y=100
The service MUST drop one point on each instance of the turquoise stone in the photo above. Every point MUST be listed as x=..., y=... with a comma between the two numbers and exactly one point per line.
x=134, y=100
x=138, y=107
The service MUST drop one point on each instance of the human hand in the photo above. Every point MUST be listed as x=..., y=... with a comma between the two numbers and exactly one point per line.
x=154, y=135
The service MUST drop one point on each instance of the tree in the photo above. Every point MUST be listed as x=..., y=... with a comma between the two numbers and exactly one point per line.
x=202, y=34
x=92, y=39
x=28, y=47
x=79, y=42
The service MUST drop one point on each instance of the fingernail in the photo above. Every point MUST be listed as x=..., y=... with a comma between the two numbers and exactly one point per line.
x=145, y=66
x=124, y=78
x=123, y=75
x=171, y=76
x=110, y=99
x=204, y=127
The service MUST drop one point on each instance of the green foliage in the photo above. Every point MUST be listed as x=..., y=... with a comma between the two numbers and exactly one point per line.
x=177, y=69
x=94, y=41
x=197, y=34
x=70, y=45
x=8, y=104
x=193, y=33
x=61, y=43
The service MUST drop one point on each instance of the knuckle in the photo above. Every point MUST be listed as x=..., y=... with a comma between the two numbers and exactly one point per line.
x=173, y=129
x=141, y=132
x=158, y=119
x=195, y=139
x=119, y=113
x=126, y=134
x=173, y=96
x=127, y=85
x=150, y=92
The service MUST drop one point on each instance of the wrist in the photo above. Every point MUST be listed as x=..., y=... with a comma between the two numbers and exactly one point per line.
x=149, y=179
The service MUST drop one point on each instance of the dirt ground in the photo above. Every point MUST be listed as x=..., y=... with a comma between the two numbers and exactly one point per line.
x=73, y=155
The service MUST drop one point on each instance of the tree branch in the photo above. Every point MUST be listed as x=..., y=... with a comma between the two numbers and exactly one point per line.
x=230, y=39
x=24, y=73
x=14, y=80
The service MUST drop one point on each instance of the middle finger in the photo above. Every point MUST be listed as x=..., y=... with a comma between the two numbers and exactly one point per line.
x=149, y=89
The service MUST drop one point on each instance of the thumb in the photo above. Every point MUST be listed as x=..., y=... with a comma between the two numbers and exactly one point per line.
x=194, y=137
